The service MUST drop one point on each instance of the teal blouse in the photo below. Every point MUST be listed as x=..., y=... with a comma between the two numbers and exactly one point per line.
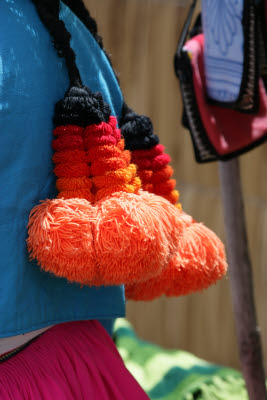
x=32, y=80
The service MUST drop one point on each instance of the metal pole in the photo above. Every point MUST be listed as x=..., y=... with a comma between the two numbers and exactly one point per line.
x=241, y=280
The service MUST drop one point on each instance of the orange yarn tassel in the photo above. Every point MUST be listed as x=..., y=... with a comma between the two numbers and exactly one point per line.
x=198, y=262
x=60, y=232
x=199, y=259
x=135, y=233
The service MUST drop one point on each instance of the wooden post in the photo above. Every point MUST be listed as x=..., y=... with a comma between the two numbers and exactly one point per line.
x=241, y=280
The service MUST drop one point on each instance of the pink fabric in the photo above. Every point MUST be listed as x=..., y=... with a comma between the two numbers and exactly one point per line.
x=229, y=131
x=71, y=361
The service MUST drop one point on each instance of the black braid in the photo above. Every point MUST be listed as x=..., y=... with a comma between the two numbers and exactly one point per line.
x=78, y=8
x=136, y=129
x=79, y=106
x=48, y=11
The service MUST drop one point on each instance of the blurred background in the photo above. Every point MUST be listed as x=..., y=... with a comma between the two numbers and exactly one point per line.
x=141, y=36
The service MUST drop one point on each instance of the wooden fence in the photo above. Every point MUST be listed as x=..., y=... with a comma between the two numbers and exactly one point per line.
x=141, y=36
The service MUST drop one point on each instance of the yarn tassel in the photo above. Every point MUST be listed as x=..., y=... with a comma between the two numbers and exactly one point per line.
x=198, y=263
x=127, y=235
x=135, y=232
x=199, y=259
x=60, y=230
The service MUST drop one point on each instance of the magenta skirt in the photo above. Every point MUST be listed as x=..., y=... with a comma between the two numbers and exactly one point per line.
x=71, y=361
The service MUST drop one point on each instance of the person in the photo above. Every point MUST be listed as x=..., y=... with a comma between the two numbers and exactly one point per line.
x=54, y=335
x=95, y=229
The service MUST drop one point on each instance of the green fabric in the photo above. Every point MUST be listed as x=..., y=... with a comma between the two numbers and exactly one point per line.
x=175, y=374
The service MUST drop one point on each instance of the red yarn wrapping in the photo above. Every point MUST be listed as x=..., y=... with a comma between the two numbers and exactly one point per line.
x=69, y=156
x=105, y=153
x=68, y=130
x=74, y=183
x=70, y=163
x=114, y=177
x=148, y=153
x=71, y=170
x=145, y=175
x=66, y=142
x=101, y=166
x=162, y=175
x=164, y=188
x=155, y=172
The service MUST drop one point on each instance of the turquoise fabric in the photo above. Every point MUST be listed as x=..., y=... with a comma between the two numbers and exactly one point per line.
x=32, y=79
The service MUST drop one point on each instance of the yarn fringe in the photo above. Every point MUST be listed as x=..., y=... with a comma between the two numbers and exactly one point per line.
x=198, y=262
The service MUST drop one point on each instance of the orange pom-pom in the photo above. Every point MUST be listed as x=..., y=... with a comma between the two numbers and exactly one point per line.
x=199, y=262
x=134, y=236
x=60, y=239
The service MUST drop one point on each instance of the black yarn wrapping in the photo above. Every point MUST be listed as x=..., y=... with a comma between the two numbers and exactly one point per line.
x=137, y=131
x=81, y=107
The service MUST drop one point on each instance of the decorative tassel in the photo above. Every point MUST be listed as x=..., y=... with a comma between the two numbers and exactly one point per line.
x=198, y=263
x=135, y=232
x=102, y=229
x=60, y=232
x=199, y=259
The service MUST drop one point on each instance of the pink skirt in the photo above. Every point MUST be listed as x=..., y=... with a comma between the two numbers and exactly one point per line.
x=70, y=361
